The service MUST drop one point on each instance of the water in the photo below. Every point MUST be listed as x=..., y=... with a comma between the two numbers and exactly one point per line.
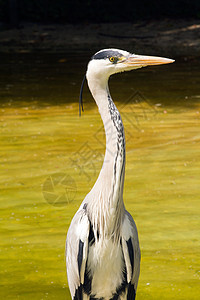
x=50, y=158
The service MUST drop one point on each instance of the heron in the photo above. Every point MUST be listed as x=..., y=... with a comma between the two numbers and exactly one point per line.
x=102, y=246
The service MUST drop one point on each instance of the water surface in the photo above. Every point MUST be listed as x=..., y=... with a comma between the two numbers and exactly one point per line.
x=50, y=159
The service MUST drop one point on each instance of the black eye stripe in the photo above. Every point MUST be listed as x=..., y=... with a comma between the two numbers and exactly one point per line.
x=107, y=54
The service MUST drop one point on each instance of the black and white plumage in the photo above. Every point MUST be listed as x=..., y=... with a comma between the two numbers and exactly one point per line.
x=102, y=247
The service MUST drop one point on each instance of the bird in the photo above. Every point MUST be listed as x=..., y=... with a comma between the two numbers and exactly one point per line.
x=102, y=245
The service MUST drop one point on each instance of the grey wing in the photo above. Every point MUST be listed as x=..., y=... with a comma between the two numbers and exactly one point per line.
x=131, y=251
x=76, y=252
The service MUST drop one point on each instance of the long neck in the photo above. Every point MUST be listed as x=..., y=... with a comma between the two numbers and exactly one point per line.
x=108, y=189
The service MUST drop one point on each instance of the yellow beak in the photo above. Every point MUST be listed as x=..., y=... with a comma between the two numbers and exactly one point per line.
x=142, y=60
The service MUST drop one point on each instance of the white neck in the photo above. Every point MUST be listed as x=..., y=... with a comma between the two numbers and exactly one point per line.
x=108, y=189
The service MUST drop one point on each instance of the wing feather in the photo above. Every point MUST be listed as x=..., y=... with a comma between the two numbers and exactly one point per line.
x=76, y=252
x=131, y=251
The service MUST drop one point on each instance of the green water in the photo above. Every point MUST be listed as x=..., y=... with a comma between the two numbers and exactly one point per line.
x=50, y=158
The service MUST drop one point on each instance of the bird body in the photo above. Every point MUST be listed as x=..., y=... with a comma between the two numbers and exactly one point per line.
x=102, y=247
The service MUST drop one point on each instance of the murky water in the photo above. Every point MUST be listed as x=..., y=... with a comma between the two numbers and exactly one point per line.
x=50, y=158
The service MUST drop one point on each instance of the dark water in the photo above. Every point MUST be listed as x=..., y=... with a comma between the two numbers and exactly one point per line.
x=54, y=79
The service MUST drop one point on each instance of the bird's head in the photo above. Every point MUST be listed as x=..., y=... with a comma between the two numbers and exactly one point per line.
x=106, y=62
x=110, y=61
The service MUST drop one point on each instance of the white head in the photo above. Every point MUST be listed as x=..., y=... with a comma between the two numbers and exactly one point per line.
x=106, y=62
x=110, y=61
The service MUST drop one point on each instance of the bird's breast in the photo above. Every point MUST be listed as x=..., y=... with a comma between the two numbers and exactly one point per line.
x=105, y=266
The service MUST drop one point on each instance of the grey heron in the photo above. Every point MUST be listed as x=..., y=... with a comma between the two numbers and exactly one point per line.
x=102, y=247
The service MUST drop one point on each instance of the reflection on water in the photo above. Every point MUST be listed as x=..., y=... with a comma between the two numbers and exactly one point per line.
x=50, y=158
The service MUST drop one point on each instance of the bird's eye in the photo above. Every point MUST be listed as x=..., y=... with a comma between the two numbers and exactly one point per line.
x=112, y=59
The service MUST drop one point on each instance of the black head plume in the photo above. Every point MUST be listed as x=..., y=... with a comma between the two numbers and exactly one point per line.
x=81, y=96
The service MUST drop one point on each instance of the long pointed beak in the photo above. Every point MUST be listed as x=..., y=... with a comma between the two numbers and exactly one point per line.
x=142, y=61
